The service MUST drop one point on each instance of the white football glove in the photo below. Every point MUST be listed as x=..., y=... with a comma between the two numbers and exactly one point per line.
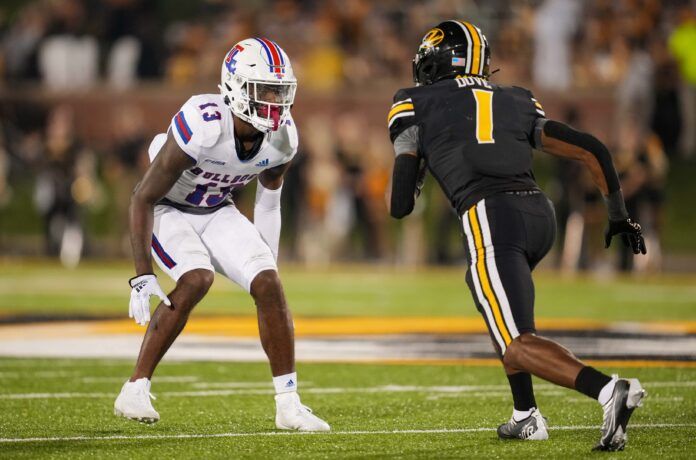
x=142, y=287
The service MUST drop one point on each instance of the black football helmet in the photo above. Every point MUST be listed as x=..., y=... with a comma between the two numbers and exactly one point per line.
x=451, y=48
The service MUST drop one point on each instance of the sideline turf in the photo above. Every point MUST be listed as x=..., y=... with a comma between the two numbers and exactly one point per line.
x=99, y=289
x=346, y=410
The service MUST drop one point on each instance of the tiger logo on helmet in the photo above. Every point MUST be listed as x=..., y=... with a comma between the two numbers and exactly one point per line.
x=432, y=38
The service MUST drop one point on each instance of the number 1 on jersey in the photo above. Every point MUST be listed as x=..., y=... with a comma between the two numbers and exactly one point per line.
x=484, y=116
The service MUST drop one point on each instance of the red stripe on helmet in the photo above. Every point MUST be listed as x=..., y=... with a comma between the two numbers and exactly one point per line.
x=275, y=54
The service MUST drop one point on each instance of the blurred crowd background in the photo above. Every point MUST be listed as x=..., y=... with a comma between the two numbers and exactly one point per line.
x=86, y=84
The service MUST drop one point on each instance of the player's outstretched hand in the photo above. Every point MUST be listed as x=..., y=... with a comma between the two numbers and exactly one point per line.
x=142, y=287
x=630, y=232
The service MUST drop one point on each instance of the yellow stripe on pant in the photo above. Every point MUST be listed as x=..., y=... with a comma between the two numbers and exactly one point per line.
x=484, y=279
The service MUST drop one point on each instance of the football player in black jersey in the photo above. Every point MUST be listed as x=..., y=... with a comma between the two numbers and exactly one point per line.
x=476, y=138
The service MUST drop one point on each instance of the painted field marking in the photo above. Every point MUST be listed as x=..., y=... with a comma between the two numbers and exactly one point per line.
x=163, y=379
x=13, y=363
x=442, y=389
x=247, y=326
x=39, y=374
x=653, y=399
x=491, y=394
x=494, y=362
x=264, y=384
x=315, y=433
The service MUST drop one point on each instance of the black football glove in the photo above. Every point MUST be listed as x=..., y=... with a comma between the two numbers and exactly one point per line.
x=630, y=234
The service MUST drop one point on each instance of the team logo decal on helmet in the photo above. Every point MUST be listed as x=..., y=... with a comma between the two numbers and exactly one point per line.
x=230, y=63
x=432, y=38
x=258, y=83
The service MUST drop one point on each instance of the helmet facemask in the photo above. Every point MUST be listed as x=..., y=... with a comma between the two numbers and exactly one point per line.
x=270, y=102
x=263, y=104
x=423, y=67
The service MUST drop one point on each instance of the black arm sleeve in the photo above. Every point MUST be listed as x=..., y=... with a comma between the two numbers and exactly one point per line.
x=587, y=142
x=404, y=180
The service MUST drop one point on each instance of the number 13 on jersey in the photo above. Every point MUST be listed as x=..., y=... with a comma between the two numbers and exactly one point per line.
x=484, y=116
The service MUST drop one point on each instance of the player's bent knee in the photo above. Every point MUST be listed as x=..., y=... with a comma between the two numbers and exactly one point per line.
x=510, y=355
x=266, y=284
x=516, y=350
x=198, y=280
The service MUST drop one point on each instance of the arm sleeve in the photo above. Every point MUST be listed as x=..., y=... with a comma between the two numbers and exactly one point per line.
x=404, y=182
x=407, y=141
x=267, y=216
x=589, y=143
x=403, y=132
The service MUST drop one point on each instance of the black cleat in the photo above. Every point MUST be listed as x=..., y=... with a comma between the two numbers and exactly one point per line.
x=627, y=395
x=532, y=428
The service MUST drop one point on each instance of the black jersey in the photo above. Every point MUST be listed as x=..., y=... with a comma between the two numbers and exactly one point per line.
x=475, y=136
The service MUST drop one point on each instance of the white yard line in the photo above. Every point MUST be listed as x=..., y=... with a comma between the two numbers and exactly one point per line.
x=297, y=433
x=15, y=363
x=481, y=390
x=265, y=384
x=493, y=394
x=162, y=379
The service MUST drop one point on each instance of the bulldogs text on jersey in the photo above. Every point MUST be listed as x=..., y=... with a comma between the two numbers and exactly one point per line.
x=204, y=130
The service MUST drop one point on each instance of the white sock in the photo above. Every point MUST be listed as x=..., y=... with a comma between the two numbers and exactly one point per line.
x=607, y=390
x=518, y=415
x=285, y=383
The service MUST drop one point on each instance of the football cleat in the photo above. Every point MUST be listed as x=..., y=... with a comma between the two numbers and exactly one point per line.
x=628, y=394
x=291, y=414
x=532, y=428
x=134, y=402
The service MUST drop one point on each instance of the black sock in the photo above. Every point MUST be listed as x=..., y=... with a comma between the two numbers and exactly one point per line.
x=522, y=391
x=590, y=381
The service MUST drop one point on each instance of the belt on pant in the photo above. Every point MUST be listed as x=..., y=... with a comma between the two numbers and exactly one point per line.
x=523, y=192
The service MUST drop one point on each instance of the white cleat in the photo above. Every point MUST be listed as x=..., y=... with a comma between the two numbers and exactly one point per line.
x=291, y=414
x=134, y=402
x=627, y=396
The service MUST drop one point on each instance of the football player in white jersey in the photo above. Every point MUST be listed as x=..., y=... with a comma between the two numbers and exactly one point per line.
x=182, y=215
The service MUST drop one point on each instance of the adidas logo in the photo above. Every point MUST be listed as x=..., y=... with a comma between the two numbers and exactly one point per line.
x=290, y=383
x=262, y=163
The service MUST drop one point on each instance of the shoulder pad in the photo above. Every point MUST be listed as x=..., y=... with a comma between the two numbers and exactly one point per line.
x=402, y=114
x=401, y=95
x=206, y=118
x=528, y=97
x=521, y=89
x=286, y=140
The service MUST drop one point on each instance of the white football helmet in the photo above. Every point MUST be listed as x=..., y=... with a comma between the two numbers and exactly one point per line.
x=258, y=83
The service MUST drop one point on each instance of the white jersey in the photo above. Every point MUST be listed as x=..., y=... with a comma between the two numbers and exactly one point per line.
x=204, y=130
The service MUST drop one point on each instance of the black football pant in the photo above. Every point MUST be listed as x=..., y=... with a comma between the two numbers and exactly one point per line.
x=506, y=236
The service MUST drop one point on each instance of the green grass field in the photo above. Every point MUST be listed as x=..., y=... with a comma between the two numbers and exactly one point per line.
x=99, y=289
x=213, y=410
x=225, y=410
